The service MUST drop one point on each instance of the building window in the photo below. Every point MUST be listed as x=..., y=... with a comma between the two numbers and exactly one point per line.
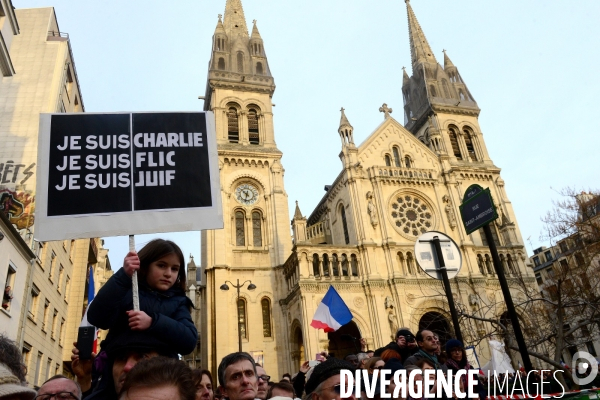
x=335, y=265
x=266, y=316
x=388, y=160
x=354, y=265
x=233, y=130
x=315, y=263
x=52, y=265
x=480, y=264
x=60, y=331
x=410, y=266
x=345, y=224
x=240, y=62
x=563, y=246
x=45, y=317
x=240, y=234
x=34, y=301
x=432, y=91
x=67, y=286
x=48, y=368
x=8, y=287
x=494, y=235
x=538, y=278
x=259, y=68
x=38, y=367
x=61, y=271
x=579, y=260
x=407, y=162
x=325, y=265
x=242, y=318
x=221, y=64
x=452, y=133
x=396, y=156
x=256, y=229
x=445, y=88
x=469, y=143
x=54, y=321
x=548, y=255
x=253, y=133
x=489, y=265
x=536, y=261
x=344, y=265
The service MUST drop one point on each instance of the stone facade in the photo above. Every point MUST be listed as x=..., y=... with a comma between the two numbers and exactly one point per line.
x=55, y=293
x=403, y=180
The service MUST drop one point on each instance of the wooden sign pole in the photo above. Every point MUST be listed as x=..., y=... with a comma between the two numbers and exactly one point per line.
x=134, y=279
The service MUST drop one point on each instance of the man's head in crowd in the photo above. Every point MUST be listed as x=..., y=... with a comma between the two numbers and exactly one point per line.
x=286, y=377
x=59, y=384
x=281, y=389
x=237, y=376
x=124, y=362
x=362, y=358
x=427, y=341
x=11, y=356
x=324, y=382
x=370, y=353
x=405, y=338
x=263, y=383
x=204, y=384
x=159, y=378
x=352, y=359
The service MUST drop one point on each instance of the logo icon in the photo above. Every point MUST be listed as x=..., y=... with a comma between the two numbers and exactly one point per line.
x=581, y=363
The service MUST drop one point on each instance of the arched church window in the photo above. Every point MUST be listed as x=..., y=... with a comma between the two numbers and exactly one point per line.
x=240, y=234
x=315, y=264
x=446, y=89
x=488, y=264
x=452, y=133
x=432, y=91
x=253, y=133
x=480, y=264
x=354, y=265
x=462, y=94
x=242, y=318
x=256, y=229
x=469, y=144
x=335, y=265
x=410, y=266
x=388, y=160
x=240, y=62
x=345, y=225
x=407, y=162
x=221, y=63
x=259, y=68
x=233, y=130
x=396, y=156
x=325, y=265
x=511, y=265
x=344, y=265
x=265, y=305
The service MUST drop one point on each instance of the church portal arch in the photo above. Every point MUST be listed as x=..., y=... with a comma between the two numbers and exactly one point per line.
x=345, y=340
x=438, y=324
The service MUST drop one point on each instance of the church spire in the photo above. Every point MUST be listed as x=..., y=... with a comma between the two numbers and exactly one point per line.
x=297, y=213
x=447, y=61
x=420, y=50
x=255, y=32
x=345, y=130
x=235, y=21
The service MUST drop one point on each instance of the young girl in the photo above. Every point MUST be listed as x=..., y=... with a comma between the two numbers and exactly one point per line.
x=163, y=323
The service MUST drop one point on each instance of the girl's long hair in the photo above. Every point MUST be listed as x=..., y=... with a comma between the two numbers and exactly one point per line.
x=157, y=249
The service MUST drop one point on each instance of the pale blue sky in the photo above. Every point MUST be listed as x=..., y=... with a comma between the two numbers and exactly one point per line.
x=530, y=64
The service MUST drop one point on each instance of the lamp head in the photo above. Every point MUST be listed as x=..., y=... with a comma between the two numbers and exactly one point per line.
x=224, y=287
x=251, y=286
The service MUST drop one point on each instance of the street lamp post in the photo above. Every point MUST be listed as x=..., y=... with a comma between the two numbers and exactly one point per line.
x=251, y=286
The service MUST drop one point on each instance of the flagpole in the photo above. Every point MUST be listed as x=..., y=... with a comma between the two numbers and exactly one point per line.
x=134, y=279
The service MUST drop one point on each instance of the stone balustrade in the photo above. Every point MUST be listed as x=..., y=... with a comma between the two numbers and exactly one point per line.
x=315, y=234
x=403, y=173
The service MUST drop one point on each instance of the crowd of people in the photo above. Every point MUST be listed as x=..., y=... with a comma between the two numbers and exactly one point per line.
x=139, y=357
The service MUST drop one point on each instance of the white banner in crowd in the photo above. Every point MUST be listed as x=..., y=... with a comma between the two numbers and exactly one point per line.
x=126, y=173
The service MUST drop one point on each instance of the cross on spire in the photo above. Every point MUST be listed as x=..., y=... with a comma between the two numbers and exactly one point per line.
x=385, y=110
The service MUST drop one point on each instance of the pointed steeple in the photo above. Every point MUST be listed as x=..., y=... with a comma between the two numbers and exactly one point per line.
x=344, y=123
x=345, y=130
x=255, y=32
x=447, y=61
x=297, y=213
x=420, y=50
x=405, y=78
x=220, y=28
x=235, y=21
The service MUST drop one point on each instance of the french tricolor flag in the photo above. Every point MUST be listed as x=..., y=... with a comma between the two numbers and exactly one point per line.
x=91, y=294
x=332, y=313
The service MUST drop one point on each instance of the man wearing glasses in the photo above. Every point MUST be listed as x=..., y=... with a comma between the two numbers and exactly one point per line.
x=429, y=346
x=263, y=383
x=238, y=377
x=324, y=382
x=59, y=387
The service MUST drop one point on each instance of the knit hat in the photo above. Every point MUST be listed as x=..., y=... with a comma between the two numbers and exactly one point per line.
x=404, y=332
x=11, y=386
x=452, y=343
x=326, y=370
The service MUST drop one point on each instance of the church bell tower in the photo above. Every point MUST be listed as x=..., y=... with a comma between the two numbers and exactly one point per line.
x=256, y=236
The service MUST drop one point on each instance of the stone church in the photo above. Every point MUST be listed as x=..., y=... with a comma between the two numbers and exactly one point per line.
x=404, y=179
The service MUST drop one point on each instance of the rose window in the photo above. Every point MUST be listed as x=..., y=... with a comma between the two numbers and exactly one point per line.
x=411, y=215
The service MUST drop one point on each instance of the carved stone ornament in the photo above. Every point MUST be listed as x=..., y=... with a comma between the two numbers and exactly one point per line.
x=411, y=214
x=359, y=302
x=371, y=210
x=393, y=321
x=450, y=211
x=410, y=298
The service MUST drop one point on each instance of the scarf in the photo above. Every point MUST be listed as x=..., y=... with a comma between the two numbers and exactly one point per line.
x=454, y=365
x=432, y=358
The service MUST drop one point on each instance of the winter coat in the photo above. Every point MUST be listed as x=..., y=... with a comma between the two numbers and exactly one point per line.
x=172, y=330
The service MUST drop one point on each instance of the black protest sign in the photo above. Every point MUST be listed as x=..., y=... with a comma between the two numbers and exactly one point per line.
x=114, y=163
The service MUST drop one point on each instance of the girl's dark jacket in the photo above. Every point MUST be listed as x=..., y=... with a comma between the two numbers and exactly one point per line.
x=172, y=329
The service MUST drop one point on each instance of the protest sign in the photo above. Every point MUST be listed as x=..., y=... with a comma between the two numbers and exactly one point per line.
x=126, y=173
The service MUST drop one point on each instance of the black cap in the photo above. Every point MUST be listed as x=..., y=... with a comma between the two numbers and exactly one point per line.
x=326, y=370
x=404, y=332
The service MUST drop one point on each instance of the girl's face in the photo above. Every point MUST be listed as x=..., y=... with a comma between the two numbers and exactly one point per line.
x=456, y=354
x=162, y=273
